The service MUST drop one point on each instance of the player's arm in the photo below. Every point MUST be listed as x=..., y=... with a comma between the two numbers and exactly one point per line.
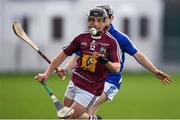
x=113, y=67
x=144, y=61
x=56, y=62
x=69, y=50
x=71, y=63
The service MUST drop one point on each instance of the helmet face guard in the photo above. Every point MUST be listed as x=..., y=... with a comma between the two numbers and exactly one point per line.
x=96, y=13
x=92, y=17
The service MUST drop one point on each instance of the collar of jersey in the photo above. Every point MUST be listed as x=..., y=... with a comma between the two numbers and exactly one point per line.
x=96, y=37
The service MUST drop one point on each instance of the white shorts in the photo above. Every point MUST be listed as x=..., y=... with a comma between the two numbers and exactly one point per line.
x=111, y=90
x=79, y=95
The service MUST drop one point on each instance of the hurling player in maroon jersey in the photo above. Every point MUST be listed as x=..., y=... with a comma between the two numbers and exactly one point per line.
x=99, y=54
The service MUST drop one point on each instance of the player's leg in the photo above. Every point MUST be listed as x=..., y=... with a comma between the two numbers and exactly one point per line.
x=68, y=102
x=69, y=94
x=110, y=90
x=83, y=100
x=91, y=114
x=78, y=111
x=102, y=99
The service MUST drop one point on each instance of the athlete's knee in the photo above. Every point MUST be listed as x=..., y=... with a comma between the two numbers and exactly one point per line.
x=78, y=110
x=68, y=102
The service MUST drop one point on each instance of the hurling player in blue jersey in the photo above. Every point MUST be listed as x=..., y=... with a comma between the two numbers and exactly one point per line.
x=113, y=81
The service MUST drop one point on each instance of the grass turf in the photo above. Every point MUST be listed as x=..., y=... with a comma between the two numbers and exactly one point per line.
x=141, y=96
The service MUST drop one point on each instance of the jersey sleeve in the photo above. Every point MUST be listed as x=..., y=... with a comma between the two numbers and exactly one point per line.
x=128, y=46
x=72, y=47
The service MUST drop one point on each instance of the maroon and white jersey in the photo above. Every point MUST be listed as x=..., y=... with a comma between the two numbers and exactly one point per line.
x=89, y=74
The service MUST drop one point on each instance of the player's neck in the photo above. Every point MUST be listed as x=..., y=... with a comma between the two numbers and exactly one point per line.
x=97, y=36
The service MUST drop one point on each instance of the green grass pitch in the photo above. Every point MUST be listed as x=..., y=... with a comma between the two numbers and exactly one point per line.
x=141, y=96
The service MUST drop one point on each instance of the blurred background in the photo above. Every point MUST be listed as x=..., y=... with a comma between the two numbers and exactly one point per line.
x=152, y=25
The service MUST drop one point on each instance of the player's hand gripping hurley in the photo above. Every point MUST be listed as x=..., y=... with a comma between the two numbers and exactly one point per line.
x=62, y=112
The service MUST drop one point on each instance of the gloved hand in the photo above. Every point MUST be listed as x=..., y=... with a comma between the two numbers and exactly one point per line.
x=100, y=58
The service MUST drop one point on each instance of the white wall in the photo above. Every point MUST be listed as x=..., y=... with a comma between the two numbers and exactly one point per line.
x=150, y=45
x=20, y=57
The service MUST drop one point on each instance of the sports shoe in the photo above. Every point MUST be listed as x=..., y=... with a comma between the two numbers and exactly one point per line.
x=95, y=117
x=98, y=117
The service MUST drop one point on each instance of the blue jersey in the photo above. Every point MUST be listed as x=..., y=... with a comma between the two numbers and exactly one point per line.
x=126, y=46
